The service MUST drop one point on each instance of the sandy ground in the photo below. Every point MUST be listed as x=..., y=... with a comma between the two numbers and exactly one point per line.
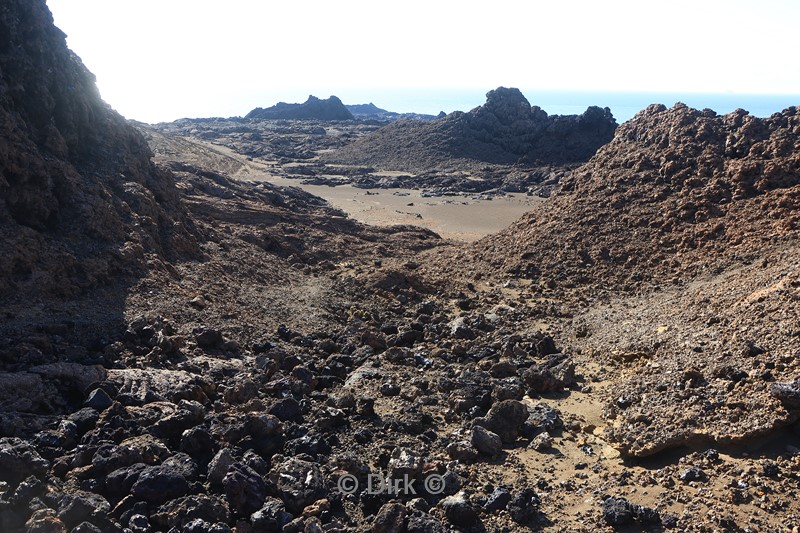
x=462, y=218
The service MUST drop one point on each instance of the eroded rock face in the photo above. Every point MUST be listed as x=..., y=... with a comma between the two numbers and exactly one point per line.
x=80, y=200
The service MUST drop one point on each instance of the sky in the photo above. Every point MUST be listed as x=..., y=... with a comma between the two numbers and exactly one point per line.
x=159, y=60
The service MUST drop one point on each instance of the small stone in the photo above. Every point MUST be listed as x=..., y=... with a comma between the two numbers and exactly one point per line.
x=177, y=513
x=208, y=338
x=541, y=442
x=498, y=500
x=417, y=504
x=404, y=463
x=80, y=505
x=390, y=519
x=158, y=484
x=18, y=460
x=298, y=482
x=692, y=474
x=770, y=468
x=199, y=302
x=545, y=418
x=390, y=389
x=505, y=418
x=41, y=521
x=313, y=525
x=287, y=409
x=462, y=451
x=524, y=507
x=458, y=510
x=422, y=522
x=87, y=527
x=98, y=399
x=617, y=511
x=219, y=465
x=553, y=376
x=485, y=441
x=138, y=523
x=503, y=369
x=711, y=454
x=197, y=442
x=240, y=392
x=183, y=464
x=244, y=489
x=120, y=481
x=317, y=508
x=84, y=419
x=271, y=517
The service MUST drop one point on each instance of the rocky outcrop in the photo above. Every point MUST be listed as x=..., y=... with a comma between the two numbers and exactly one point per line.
x=506, y=129
x=80, y=202
x=312, y=109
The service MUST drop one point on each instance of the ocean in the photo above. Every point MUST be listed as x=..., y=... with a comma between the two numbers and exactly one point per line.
x=623, y=105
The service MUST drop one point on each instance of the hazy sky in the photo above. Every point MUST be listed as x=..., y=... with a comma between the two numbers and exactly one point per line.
x=165, y=59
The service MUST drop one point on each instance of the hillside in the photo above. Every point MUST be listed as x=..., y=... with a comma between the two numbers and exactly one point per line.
x=683, y=231
x=677, y=191
x=81, y=204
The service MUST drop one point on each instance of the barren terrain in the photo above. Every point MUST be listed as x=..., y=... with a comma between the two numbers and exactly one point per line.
x=191, y=344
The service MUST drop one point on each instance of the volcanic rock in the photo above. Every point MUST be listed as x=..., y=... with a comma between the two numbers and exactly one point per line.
x=245, y=489
x=505, y=418
x=158, y=484
x=390, y=519
x=18, y=460
x=79, y=196
x=485, y=441
x=298, y=482
x=503, y=130
x=459, y=511
x=313, y=108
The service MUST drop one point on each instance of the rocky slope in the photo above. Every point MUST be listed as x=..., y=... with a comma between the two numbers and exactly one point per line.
x=696, y=217
x=312, y=109
x=506, y=129
x=675, y=192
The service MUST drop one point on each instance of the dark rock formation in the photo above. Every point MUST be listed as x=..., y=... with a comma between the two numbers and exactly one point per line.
x=80, y=201
x=311, y=109
x=506, y=129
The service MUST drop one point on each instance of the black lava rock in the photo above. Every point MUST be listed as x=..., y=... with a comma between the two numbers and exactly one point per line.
x=158, y=484
x=244, y=489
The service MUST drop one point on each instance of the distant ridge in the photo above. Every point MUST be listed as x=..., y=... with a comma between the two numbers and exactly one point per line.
x=312, y=109
x=372, y=112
